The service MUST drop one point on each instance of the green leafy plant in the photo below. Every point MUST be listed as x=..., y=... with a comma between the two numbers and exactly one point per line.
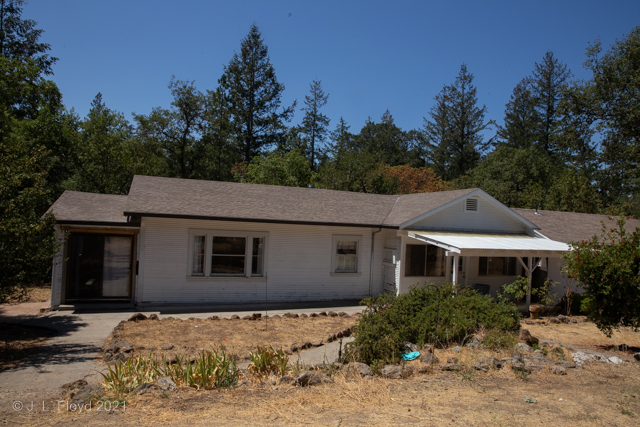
x=267, y=360
x=609, y=269
x=388, y=321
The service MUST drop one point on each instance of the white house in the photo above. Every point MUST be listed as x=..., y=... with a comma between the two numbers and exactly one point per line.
x=191, y=242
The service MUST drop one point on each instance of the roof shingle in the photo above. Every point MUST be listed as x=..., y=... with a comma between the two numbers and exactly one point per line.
x=79, y=207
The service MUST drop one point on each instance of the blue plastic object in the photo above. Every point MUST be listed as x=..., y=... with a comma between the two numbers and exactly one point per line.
x=411, y=356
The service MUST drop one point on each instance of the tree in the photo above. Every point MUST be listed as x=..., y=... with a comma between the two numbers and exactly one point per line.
x=217, y=128
x=314, y=123
x=609, y=269
x=290, y=169
x=413, y=180
x=547, y=83
x=253, y=94
x=612, y=95
x=107, y=153
x=521, y=120
x=388, y=142
x=454, y=135
x=19, y=37
x=178, y=132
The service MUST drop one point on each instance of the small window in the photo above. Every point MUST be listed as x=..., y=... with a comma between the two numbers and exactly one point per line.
x=497, y=266
x=199, y=243
x=258, y=255
x=346, y=254
x=471, y=205
x=425, y=261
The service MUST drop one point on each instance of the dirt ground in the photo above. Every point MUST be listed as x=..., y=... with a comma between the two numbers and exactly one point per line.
x=237, y=336
x=595, y=394
x=18, y=341
x=35, y=294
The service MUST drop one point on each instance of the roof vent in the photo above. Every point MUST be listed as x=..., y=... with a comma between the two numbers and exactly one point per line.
x=471, y=205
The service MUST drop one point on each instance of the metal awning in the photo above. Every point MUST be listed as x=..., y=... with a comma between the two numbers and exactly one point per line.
x=479, y=244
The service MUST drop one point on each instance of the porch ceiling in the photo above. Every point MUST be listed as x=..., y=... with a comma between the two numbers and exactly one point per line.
x=478, y=244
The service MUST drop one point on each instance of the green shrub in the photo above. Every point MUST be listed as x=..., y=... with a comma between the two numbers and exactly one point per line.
x=388, y=321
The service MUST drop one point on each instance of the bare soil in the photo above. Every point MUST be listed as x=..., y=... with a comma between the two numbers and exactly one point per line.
x=237, y=336
x=40, y=293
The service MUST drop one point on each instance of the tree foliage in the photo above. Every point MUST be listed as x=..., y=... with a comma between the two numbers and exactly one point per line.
x=609, y=269
x=253, y=93
x=290, y=169
x=413, y=180
x=314, y=123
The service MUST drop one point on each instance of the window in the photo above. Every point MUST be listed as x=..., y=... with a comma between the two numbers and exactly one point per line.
x=497, y=266
x=346, y=255
x=424, y=261
x=226, y=253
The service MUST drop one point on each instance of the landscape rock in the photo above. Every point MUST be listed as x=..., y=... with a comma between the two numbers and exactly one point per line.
x=481, y=367
x=429, y=358
x=497, y=364
x=313, y=315
x=358, y=368
x=342, y=314
x=451, y=367
x=473, y=343
x=290, y=315
x=522, y=348
x=516, y=365
x=452, y=359
x=566, y=364
x=307, y=345
x=275, y=316
x=167, y=384
x=86, y=393
x=167, y=347
x=286, y=379
x=396, y=371
x=309, y=378
x=410, y=347
x=332, y=314
x=637, y=356
x=214, y=318
x=145, y=387
x=294, y=348
x=427, y=347
x=322, y=313
x=303, y=315
x=137, y=317
x=74, y=385
x=153, y=317
x=247, y=317
x=316, y=343
x=554, y=320
x=235, y=317
x=533, y=366
x=112, y=347
x=124, y=347
x=558, y=370
x=346, y=332
x=564, y=319
x=456, y=349
x=616, y=360
x=526, y=337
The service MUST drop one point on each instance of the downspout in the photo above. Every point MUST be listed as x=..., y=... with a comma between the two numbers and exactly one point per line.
x=373, y=239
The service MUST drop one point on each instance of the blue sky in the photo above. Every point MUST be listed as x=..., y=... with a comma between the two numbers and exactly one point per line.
x=370, y=55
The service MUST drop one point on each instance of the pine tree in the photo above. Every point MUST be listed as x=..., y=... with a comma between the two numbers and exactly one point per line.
x=253, y=95
x=521, y=119
x=314, y=123
x=454, y=137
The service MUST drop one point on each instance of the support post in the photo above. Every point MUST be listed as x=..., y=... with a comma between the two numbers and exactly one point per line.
x=530, y=277
x=456, y=260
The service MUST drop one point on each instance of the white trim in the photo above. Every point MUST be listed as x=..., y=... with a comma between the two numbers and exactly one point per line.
x=334, y=247
x=248, y=255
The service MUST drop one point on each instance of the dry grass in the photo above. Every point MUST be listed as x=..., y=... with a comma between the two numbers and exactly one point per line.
x=40, y=293
x=585, y=334
x=18, y=341
x=599, y=394
x=238, y=336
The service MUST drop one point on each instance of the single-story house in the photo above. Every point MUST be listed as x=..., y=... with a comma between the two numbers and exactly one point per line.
x=193, y=242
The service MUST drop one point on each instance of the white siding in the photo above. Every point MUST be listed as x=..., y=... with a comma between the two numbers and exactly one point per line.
x=487, y=218
x=298, y=264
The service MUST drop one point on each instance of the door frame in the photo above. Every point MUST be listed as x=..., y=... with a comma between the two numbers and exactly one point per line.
x=67, y=259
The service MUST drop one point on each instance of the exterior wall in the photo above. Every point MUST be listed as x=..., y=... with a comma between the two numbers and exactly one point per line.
x=555, y=274
x=297, y=264
x=487, y=218
x=495, y=282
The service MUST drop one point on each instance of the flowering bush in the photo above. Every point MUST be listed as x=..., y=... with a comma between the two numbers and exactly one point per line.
x=609, y=269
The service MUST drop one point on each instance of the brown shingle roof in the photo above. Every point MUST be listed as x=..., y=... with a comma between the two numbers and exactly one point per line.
x=78, y=207
x=155, y=196
x=569, y=226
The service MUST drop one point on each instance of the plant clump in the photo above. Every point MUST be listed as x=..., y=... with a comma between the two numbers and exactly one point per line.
x=426, y=314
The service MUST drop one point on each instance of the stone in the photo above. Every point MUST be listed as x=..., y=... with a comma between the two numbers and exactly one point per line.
x=346, y=332
x=313, y=315
x=112, y=347
x=167, y=347
x=481, y=366
x=247, y=317
x=522, y=348
x=526, y=337
x=214, y=318
x=456, y=349
x=322, y=313
x=497, y=364
x=235, y=317
x=285, y=379
x=564, y=319
x=517, y=358
x=146, y=386
x=309, y=378
x=637, y=356
x=167, y=384
x=539, y=359
x=86, y=393
x=410, y=347
x=153, y=317
x=256, y=315
x=616, y=360
x=358, y=368
x=294, y=348
x=473, y=343
x=566, y=364
x=339, y=334
x=125, y=347
x=427, y=347
x=452, y=359
x=558, y=370
x=137, y=317
x=533, y=366
x=290, y=315
x=451, y=367
x=74, y=385
x=316, y=343
x=275, y=316
x=302, y=316
x=516, y=365
x=554, y=320
x=107, y=355
x=330, y=338
x=391, y=371
x=332, y=314
x=342, y=314
x=429, y=358
x=307, y=345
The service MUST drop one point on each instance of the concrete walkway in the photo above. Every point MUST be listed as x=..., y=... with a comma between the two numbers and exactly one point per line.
x=72, y=353
x=325, y=354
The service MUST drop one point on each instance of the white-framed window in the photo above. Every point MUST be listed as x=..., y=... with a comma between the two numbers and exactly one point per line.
x=424, y=261
x=345, y=259
x=222, y=253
